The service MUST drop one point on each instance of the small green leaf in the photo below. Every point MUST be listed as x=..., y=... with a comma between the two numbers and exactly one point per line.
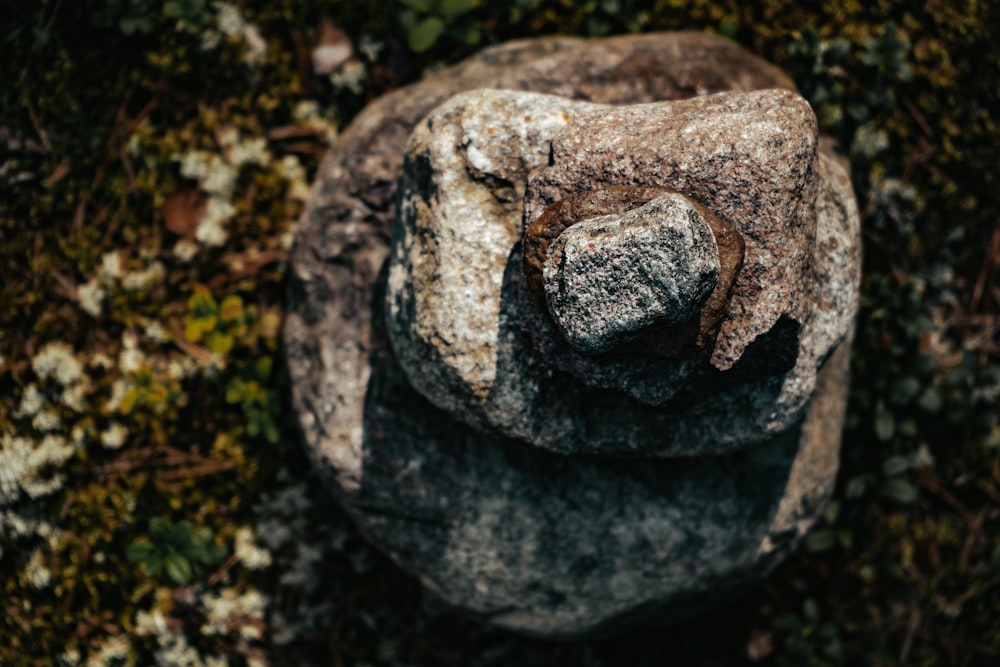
x=177, y=568
x=159, y=530
x=787, y=623
x=904, y=389
x=192, y=330
x=449, y=9
x=597, y=27
x=895, y=465
x=419, y=5
x=899, y=490
x=907, y=427
x=220, y=343
x=884, y=424
x=467, y=32
x=856, y=486
x=202, y=536
x=130, y=25
x=728, y=27
x=858, y=112
x=271, y=432
x=139, y=551
x=925, y=365
x=820, y=540
x=993, y=440
x=180, y=535
x=235, y=391
x=845, y=538
x=810, y=610
x=930, y=400
x=203, y=550
x=408, y=20
x=425, y=33
x=153, y=565
x=836, y=51
x=231, y=308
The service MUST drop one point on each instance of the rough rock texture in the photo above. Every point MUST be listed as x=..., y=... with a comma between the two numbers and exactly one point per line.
x=486, y=164
x=528, y=539
x=608, y=279
x=747, y=157
x=666, y=341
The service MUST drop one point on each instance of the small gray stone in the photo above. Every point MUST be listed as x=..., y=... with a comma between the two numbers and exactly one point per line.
x=609, y=278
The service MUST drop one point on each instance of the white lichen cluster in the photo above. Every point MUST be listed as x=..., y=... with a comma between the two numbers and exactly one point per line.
x=232, y=27
x=131, y=357
x=150, y=274
x=309, y=114
x=114, y=436
x=56, y=361
x=351, y=77
x=172, y=646
x=235, y=616
x=292, y=171
x=252, y=556
x=869, y=141
x=37, y=443
x=110, y=275
x=217, y=174
x=369, y=48
x=91, y=296
x=37, y=574
x=50, y=422
x=30, y=467
x=232, y=613
x=301, y=547
x=112, y=651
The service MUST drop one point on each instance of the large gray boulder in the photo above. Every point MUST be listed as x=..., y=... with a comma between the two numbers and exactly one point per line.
x=568, y=327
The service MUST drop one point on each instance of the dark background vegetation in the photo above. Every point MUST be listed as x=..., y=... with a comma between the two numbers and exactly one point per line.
x=101, y=101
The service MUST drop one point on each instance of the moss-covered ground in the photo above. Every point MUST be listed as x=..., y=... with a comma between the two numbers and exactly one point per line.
x=155, y=507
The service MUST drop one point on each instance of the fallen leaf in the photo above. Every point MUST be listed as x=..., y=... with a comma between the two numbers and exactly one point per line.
x=182, y=212
x=760, y=646
x=58, y=173
x=332, y=49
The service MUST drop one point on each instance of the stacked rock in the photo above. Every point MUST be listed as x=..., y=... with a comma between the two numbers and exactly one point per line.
x=568, y=327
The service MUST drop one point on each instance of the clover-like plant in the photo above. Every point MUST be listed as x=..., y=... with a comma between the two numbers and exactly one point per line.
x=217, y=325
x=818, y=65
x=426, y=21
x=260, y=404
x=178, y=552
x=191, y=15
